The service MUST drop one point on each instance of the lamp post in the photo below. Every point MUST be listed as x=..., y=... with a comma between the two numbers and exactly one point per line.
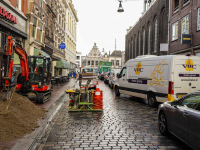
x=120, y=9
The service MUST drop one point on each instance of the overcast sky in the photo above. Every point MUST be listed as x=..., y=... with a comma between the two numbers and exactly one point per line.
x=100, y=22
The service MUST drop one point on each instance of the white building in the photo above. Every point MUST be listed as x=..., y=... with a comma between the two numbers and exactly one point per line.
x=94, y=57
x=118, y=59
x=78, y=59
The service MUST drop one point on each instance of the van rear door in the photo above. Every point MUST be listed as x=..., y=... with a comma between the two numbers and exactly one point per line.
x=181, y=77
x=186, y=75
x=194, y=74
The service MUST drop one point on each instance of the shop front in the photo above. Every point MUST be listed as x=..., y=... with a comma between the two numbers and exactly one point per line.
x=12, y=23
x=61, y=68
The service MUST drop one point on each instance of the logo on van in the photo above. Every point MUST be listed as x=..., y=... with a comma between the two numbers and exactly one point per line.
x=157, y=75
x=189, y=66
x=138, y=68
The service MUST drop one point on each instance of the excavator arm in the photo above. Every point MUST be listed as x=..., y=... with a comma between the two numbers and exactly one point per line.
x=13, y=47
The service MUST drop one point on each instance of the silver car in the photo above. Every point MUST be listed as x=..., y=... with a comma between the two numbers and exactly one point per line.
x=182, y=119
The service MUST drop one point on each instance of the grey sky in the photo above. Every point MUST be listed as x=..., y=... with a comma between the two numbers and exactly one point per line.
x=100, y=22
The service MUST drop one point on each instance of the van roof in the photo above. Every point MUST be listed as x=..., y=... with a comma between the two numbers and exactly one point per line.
x=150, y=57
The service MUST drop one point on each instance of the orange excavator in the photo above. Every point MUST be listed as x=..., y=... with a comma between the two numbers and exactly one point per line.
x=35, y=73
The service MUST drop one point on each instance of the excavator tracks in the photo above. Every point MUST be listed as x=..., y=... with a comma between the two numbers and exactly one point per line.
x=41, y=98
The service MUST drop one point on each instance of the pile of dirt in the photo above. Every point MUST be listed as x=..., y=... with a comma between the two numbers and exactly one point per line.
x=20, y=119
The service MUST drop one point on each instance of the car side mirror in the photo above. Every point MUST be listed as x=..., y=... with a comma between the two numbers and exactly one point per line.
x=118, y=75
x=174, y=103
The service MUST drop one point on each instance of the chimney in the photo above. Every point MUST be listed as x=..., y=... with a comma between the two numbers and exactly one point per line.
x=109, y=52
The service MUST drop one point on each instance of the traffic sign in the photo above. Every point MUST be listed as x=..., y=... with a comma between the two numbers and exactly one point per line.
x=62, y=45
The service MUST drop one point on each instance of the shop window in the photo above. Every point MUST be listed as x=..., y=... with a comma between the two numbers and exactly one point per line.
x=88, y=62
x=198, y=19
x=34, y=26
x=92, y=62
x=175, y=31
x=143, y=42
x=185, y=25
x=149, y=40
x=97, y=63
x=41, y=32
x=155, y=36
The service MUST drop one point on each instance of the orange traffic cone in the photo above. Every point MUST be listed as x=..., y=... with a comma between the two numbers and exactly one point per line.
x=97, y=100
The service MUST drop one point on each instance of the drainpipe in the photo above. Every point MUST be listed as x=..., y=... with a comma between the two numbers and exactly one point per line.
x=169, y=13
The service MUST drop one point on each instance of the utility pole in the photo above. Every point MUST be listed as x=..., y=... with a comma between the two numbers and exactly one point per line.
x=115, y=53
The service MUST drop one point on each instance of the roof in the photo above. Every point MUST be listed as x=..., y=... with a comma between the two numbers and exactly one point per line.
x=118, y=53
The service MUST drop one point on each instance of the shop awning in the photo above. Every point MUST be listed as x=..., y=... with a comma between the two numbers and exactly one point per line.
x=62, y=64
x=37, y=51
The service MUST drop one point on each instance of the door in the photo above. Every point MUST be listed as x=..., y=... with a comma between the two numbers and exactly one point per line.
x=181, y=120
x=194, y=124
x=194, y=68
x=122, y=81
x=181, y=77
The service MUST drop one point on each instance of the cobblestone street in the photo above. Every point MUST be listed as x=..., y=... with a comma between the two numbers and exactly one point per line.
x=125, y=123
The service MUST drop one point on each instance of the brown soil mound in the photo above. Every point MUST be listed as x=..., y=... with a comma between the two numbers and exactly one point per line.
x=20, y=119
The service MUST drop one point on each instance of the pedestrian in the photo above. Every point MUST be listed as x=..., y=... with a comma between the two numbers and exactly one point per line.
x=74, y=74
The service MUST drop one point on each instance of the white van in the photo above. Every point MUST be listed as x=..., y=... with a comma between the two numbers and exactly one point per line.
x=159, y=78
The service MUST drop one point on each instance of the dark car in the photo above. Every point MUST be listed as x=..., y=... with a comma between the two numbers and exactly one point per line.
x=106, y=77
x=101, y=76
x=182, y=119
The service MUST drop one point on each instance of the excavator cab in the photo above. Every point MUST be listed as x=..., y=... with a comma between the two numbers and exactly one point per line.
x=40, y=72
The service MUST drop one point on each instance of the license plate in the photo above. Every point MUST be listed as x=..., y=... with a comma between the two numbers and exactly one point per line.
x=179, y=96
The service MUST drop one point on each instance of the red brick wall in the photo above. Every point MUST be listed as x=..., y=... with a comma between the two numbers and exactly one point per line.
x=191, y=9
x=155, y=11
x=23, y=6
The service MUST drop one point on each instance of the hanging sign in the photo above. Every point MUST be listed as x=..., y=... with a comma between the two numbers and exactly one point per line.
x=186, y=39
x=7, y=15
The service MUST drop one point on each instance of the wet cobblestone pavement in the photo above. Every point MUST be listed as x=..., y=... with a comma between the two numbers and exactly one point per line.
x=125, y=123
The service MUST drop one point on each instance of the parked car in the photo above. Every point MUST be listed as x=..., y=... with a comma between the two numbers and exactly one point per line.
x=113, y=76
x=101, y=75
x=182, y=118
x=106, y=77
x=159, y=78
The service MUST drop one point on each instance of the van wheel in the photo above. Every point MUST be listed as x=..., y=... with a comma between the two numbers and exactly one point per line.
x=117, y=91
x=152, y=100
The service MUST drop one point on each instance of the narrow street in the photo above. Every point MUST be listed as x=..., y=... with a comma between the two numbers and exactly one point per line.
x=125, y=123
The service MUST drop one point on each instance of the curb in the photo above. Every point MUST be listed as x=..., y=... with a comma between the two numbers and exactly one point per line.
x=30, y=141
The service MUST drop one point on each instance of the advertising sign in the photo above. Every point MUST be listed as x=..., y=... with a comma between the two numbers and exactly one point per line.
x=186, y=39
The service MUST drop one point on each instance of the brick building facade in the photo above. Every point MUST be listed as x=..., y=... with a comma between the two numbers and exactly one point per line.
x=145, y=36
x=184, y=18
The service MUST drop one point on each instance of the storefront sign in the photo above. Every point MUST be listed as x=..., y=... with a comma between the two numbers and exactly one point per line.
x=7, y=15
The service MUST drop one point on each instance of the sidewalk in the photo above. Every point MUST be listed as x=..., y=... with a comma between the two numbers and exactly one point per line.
x=53, y=105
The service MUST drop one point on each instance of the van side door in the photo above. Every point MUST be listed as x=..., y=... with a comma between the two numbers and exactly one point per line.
x=122, y=80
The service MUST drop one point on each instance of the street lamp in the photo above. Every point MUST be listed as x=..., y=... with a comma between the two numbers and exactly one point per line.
x=120, y=9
